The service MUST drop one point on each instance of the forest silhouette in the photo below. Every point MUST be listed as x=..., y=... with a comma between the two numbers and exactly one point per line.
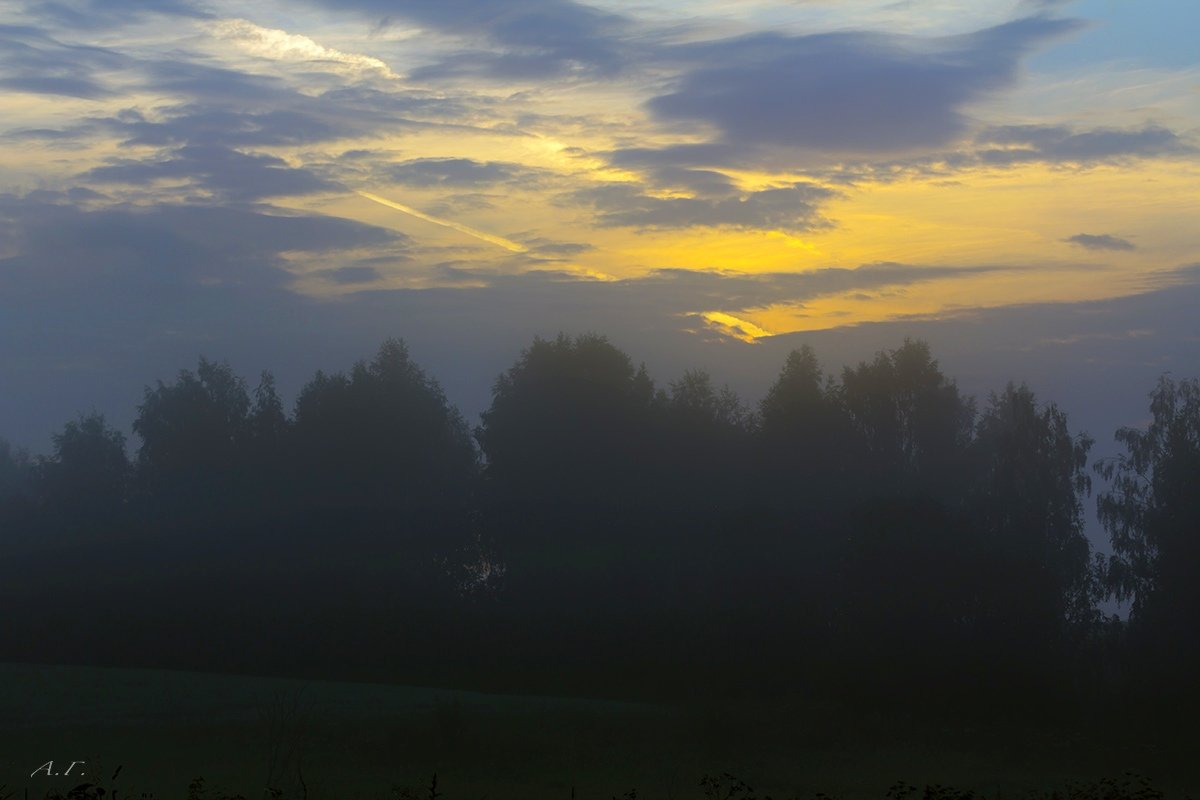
x=872, y=534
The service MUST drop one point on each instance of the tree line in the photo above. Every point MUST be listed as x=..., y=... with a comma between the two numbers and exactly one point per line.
x=875, y=533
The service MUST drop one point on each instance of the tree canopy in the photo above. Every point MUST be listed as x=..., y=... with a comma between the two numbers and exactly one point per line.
x=567, y=424
x=382, y=436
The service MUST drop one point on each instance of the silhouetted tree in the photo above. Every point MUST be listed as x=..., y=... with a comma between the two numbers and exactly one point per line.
x=568, y=425
x=705, y=446
x=16, y=472
x=266, y=444
x=193, y=436
x=1030, y=481
x=914, y=422
x=903, y=555
x=694, y=397
x=579, y=503
x=701, y=542
x=806, y=440
x=86, y=479
x=17, y=488
x=1152, y=514
x=268, y=422
x=382, y=437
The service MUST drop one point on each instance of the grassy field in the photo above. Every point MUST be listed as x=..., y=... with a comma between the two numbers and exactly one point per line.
x=373, y=741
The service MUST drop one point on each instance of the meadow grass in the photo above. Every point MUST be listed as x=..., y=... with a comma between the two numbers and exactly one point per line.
x=320, y=739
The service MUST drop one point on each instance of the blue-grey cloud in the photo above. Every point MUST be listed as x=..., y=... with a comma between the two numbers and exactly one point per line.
x=848, y=92
x=349, y=276
x=552, y=248
x=92, y=14
x=1100, y=241
x=32, y=61
x=998, y=146
x=698, y=290
x=227, y=174
x=457, y=172
x=538, y=38
x=1022, y=143
x=478, y=65
x=680, y=156
x=1186, y=274
x=703, y=182
x=995, y=147
x=226, y=107
x=1043, y=5
x=663, y=295
x=453, y=204
x=795, y=208
x=240, y=110
x=156, y=254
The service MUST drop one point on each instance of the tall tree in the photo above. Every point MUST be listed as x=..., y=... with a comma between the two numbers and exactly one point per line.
x=706, y=445
x=86, y=480
x=913, y=420
x=569, y=424
x=16, y=472
x=904, y=561
x=1152, y=514
x=193, y=436
x=382, y=437
x=268, y=422
x=573, y=442
x=806, y=438
x=1030, y=481
x=17, y=490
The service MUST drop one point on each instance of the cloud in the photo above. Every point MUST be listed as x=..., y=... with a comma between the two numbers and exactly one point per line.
x=121, y=252
x=1185, y=275
x=703, y=182
x=456, y=172
x=993, y=147
x=848, y=92
x=348, y=276
x=679, y=156
x=539, y=38
x=551, y=248
x=696, y=290
x=216, y=106
x=1101, y=241
x=237, y=109
x=280, y=45
x=100, y=14
x=665, y=295
x=1021, y=143
x=226, y=173
x=794, y=208
x=33, y=62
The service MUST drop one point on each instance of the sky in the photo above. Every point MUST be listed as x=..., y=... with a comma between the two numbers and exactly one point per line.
x=710, y=184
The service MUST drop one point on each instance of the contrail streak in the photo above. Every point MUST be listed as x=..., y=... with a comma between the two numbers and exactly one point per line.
x=507, y=244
